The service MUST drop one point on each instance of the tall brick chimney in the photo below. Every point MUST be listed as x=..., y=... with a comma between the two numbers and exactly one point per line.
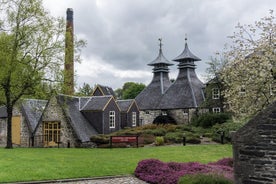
x=68, y=87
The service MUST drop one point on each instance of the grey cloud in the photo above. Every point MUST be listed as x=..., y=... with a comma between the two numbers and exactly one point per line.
x=124, y=33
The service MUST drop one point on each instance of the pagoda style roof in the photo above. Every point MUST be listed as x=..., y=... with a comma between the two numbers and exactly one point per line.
x=149, y=98
x=160, y=60
x=186, y=55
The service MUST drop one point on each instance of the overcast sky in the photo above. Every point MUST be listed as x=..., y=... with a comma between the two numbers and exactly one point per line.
x=122, y=35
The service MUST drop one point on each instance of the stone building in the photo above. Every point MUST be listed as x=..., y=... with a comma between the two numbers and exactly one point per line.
x=176, y=101
x=67, y=121
x=254, y=148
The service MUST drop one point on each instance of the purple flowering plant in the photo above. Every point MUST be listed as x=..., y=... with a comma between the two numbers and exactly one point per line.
x=157, y=172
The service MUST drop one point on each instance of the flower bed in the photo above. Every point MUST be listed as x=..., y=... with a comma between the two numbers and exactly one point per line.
x=156, y=172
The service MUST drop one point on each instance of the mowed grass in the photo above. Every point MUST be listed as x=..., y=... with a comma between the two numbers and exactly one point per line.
x=32, y=164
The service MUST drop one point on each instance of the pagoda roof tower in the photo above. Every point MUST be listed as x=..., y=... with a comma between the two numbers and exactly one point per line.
x=150, y=97
x=187, y=90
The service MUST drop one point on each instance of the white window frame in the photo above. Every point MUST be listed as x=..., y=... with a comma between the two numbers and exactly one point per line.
x=134, y=119
x=215, y=93
x=111, y=119
x=272, y=89
x=216, y=110
x=242, y=90
x=185, y=112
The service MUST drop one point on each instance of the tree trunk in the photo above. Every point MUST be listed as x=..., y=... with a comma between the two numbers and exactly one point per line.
x=9, y=127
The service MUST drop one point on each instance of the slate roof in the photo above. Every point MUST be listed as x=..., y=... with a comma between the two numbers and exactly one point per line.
x=96, y=103
x=3, y=112
x=160, y=60
x=187, y=90
x=106, y=90
x=70, y=105
x=149, y=98
x=125, y=104
x=186, y=54
x=33, y=110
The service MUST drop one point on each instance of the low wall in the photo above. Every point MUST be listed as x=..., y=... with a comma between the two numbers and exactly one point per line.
x=254, y=149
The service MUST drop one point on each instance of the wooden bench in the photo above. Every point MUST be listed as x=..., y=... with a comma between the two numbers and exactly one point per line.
x=124, y=139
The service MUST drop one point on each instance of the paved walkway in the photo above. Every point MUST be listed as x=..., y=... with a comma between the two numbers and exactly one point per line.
x=130, y=179
x=111, y=180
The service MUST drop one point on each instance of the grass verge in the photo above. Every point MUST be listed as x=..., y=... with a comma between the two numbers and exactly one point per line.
x=32, y=164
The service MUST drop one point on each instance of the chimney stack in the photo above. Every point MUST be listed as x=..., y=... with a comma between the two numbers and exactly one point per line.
x=68, y=87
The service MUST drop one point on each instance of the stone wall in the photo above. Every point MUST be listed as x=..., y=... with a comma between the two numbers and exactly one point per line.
x=254, y=148
x=25, y=133
x=147, y=116
x=54, y=113
x=181, y=116
x=3, y=132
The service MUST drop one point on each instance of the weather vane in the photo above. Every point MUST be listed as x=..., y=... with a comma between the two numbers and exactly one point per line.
x=160, y=44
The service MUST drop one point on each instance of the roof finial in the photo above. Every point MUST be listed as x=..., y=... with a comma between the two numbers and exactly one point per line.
x=186, y=38
x=160, y=44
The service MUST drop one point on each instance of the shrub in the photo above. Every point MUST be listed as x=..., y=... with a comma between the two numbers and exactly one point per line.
x=159, y=132
x=147, y=138
x=159, y=141
x=155, y=171
x=100, y=139
x=226, y=128
x=175, y=137
x=204, y=179
x=193, y=140
x=209, y=119
x=224, y=162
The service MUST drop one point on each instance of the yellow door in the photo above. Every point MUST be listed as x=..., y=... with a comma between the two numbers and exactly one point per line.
x=16, y=129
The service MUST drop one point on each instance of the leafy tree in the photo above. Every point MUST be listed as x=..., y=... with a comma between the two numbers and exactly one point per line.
x=130, y=90
x=119, y=93
x=247, y=76
x=85, y=90
x=32, y=43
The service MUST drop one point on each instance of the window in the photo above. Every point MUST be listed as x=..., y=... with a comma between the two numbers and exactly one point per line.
x=164, y=113
x=51, y=132
x=185, y=112
x=215, y=93
x=242, y=90
x=272, y=89
x=134, y=119
x=111, y=119
x=216, y=110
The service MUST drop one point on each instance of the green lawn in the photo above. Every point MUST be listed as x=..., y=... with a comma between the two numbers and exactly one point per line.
x=27, y=164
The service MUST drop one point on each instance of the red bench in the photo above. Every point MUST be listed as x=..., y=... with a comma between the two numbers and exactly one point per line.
x=124, y=139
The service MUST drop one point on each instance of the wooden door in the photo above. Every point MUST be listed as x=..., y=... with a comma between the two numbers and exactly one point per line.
x=16, y=130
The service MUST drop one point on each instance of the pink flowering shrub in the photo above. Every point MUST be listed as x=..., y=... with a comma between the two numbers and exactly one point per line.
x=156, y=172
